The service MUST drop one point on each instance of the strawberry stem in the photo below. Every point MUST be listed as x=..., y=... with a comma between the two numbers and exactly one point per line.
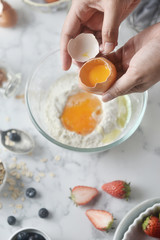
x=145, y=223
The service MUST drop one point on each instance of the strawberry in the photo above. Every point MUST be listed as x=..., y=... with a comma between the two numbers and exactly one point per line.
x=151, y=226
x=82, y=195
x=118, y=189
x=102, y=220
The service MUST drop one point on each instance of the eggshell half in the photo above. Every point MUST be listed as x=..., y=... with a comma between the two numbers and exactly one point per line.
x=102, y=87
x=8, y=16
x=84, y=47
x=50, y=1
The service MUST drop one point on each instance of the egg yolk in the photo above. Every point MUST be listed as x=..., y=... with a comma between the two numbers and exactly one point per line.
x=82, y=113
x=96, y=74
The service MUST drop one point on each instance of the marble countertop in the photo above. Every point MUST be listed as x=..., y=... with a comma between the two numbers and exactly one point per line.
x=52, y=170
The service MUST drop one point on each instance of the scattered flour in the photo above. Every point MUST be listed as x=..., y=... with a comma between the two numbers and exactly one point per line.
x=53, y=107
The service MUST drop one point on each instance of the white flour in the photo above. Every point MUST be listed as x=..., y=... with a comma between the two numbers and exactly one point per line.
x=53, y=108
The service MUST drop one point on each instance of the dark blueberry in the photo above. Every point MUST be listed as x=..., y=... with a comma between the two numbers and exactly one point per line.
x=31, y=238
x=11, y=220
x=22, y=236
x=36, y=237
x=14, y=136
x=31, y=192
x=43, y=213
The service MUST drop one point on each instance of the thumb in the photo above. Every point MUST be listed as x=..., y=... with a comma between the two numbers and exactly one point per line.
x=121, y=87
x=110, y=26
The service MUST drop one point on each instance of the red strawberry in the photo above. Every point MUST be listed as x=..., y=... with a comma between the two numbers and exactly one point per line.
x=82, y=195
x=151, y=226
x=118, y=189
x=102, y=220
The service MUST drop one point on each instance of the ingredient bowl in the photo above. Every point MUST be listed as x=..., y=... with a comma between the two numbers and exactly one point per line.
x=47, y=7
x=30, y=230
x=130, y=226
x=135, y=229
x=38, y=87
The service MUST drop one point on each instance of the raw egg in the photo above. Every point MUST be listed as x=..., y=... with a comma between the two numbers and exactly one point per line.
x=97, y=75
x=82, y=113
x=83, y=47
x=8, y=16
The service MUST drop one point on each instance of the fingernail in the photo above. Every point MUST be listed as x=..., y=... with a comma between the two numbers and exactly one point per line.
x=107, y=97
x=108, y=47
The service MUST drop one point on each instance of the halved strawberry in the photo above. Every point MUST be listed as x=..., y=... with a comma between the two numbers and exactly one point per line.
x=82, y=195
x=102, y=220
x=118, y=189
x=151, y=226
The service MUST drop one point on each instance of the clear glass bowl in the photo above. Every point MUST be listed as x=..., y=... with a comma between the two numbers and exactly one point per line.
x=47, y=7
x=38, y=87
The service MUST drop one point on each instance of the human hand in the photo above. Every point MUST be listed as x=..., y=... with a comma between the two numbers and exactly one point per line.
x=137, y=63
x=100, y=17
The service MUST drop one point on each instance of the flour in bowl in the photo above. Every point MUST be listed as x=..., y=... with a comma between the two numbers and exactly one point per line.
x=113, y=119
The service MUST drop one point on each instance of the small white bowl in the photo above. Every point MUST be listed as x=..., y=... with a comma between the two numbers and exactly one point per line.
x=130, y=226
x=34, y=230
x=135, y=229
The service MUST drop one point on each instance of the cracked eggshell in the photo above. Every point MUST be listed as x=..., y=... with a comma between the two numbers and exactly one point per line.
x=83, y=47
x=8, y=16
x=51, y=1
x=102, y=87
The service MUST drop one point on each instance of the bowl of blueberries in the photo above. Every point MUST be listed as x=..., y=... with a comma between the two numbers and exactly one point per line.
x=29, y=234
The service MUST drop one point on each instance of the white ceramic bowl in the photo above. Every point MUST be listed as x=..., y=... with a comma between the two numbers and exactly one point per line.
x=135, y=229
x=43, y=234
x=130, y=226
x=39, y=84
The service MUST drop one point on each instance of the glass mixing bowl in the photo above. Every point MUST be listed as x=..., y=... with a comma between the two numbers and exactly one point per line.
x=38, y=87
x=48, y=7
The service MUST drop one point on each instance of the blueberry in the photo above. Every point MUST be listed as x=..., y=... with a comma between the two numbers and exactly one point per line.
x=22, y=236
x=14, y=136
x=11, y=220
x=31, y=192
x=31, y=238
x=43, y=213
x=36, y=237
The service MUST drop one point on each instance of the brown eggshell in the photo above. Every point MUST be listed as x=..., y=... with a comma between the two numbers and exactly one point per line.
x=50, y=1
x=8, y=17
x=102, y=87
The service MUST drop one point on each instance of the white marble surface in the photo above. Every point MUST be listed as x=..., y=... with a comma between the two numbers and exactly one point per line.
x=137, y=160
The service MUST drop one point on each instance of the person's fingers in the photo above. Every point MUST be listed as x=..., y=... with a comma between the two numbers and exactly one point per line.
x=122, y=57
x=98, y=36
x=143, y=87
x=78, y=64
x=111, y=22
x=122, y=86
x=114, y=13
x=70, y=29
x=95, y=21
x=139, y=88
x=66, y=59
